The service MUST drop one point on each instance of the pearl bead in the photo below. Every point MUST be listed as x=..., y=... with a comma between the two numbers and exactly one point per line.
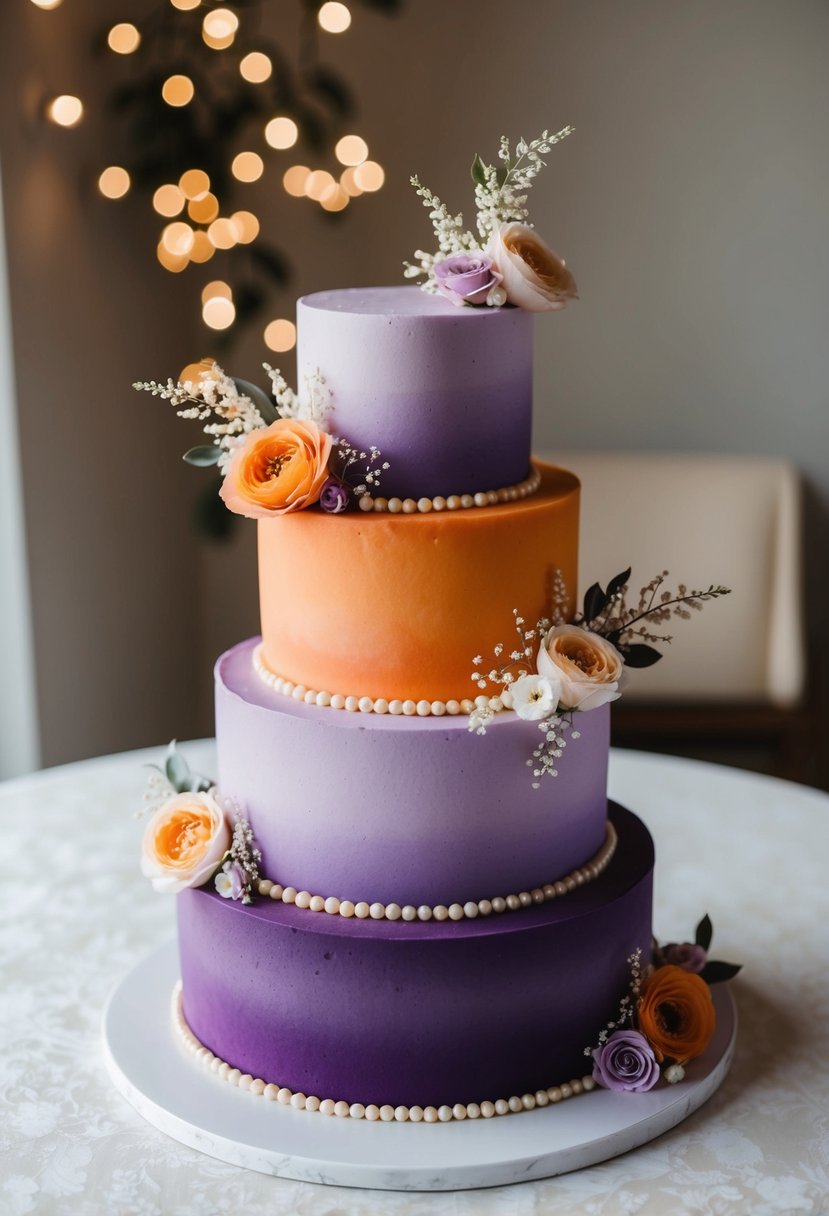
x=424, y=912
x=438, y=503
x=270, y=1092
x=588, y=1083
x=277, y=891
x=289, y=895
x=298, y=1101
x=473, y=1110
x=480, y=500
x=299, y=692
x=459, y=1111
x=542, y=1098
x=570, y=883
x=482, y=702
x=265, y=886
x=453, y=502
x=338, y=701
x=549, y=891
x=317, y=903
x=484, y=907
x=372, y=1113
x=440, y=912
x=416, y=1114
x=566, y=1091
x=409, y=506
x=424, y=505
x=387, y=1113
x=284, y=1096
x=346, y=907
x=357, y=1110
x=332, y=905
x=576, y=1086
x=537, y=896
x=515, y=1104
x=456, y=912
x=361, y=910
x=303, y=899
x=327, y=1106
x=401, y=1114
x=352, y=704
x=525, y=899
x=223, y=1070
x=467, y=706
x=424, y=708
x=409, y=708
x=430, y=1114
x=312, y=1103
x=310, y=697
x=381, y=706
x=453, y=707
x=513, y=903
x=438, y=708
x=365, y=705
x=470, y=909
x=561, y=889
x=487, y=1109
x=554, y=1093
x=528, y=1101
x=409, y=912
x=393, y=912
x=324, y=698
x=444, y=1113
x=365, y=502
x=395, y=505
x=380, y=504
x=502, y=1107
x=342, y=1109
x=377, y=911
x=492, y=497
x=467, y=501
x=245, y=1081
x=395, y=707
x=287, y=687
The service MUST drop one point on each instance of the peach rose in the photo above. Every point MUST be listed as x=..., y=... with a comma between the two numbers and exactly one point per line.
x=184, y=843
x=676, y=1013
x=534, y=277
x=589, y=668
x=279, y=468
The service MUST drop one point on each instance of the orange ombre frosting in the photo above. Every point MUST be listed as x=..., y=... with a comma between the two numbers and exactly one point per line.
x=397, y=606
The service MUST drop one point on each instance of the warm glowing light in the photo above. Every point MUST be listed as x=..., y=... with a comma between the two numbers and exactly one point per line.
x=351, y=150
x=66, y=110
x=222, y=234
x=218, y=313
x=177, y=90
x=47, y=4
x=171, y=261
x=203, y=209
x=295, y=179
x=318, y=182
x=168, y=200
x=203, y=249
x=219, y=28
x=185, y=5
x=280, y=335
x=334, y=198
x=177, y=238
x=217, y=290
x=281, y=132
x=247, y=166
x=123, y=38
x=194, y=183
x=256, y=67
x=114, y=182
x=369, y=175
x=334, y=18
x=246, y=226
x=197, y=372
x=348, y=183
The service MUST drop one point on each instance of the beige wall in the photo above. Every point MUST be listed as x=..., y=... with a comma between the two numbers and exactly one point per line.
x=690, y=203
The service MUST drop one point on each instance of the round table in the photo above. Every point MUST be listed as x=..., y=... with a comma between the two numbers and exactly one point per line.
x=77, y=915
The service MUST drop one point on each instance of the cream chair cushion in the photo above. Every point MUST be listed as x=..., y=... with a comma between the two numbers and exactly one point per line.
x=706, y=519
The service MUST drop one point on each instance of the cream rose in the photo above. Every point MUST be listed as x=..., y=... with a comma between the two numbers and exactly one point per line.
x=534, y=277
x=590, y=669
x=184, y=842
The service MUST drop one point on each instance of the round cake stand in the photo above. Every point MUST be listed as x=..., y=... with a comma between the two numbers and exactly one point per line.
x=154, y=1072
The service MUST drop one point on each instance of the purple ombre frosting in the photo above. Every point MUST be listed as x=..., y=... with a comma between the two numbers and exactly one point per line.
x=403, y=810
x=445, y=393
x=388, y=1012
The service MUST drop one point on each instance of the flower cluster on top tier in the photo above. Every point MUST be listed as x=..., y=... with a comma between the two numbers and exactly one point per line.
x=507, y=262
x=274, y=452
x=194, y=835
x=665, y=1019
x=579, y=665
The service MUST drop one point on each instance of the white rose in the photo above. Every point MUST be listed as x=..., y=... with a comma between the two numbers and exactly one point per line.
x=184, y=842
x=589, y=668
x=535, y=697
x=534, y=278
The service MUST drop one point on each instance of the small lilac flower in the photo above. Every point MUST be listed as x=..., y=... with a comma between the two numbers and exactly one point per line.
x=466, y=278
x=625, y=1063
x=231, y=881
x=685, y=955
x=335, y=496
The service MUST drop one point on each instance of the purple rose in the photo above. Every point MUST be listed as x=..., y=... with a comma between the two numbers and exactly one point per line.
x=335, y=496
x=686, y=955
x=466, y=278
x=231, y=881
x=625, y=1063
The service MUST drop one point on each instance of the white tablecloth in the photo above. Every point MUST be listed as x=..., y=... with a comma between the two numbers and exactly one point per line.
x=77, y=915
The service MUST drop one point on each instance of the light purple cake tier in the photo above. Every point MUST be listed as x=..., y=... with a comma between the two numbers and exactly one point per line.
x=403, y=810
x=445, y=393
x=427, y=1014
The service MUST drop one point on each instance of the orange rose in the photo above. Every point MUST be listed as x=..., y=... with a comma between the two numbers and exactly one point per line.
x=676, y=1013
x=184, y=842
x=279, y=468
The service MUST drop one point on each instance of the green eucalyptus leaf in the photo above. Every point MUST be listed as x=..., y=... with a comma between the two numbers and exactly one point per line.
x=260, y=399
x=177, y=769
x=478, y=171
x=203, y=457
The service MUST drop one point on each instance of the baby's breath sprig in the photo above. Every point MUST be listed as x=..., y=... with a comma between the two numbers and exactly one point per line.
x=555, y=730
x=243, y=849
x=627, y=1005
x=348, y=459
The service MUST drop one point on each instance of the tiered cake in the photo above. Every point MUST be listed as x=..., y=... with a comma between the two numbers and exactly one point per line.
x=433, y=928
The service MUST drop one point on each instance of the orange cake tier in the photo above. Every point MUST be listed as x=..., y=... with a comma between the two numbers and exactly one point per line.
x=396, y=606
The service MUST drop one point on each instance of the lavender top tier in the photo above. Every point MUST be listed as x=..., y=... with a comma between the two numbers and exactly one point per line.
x=445, y=393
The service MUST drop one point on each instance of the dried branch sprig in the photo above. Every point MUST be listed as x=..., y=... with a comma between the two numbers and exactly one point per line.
x=348, y=458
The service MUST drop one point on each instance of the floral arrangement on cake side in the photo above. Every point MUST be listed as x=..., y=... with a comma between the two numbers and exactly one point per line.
x=665, y=1019
x=195, y=835
x=506, y=261
x=274, y=452
x=561, y=668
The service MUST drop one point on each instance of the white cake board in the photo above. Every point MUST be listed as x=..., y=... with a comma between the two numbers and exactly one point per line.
x=154, y=1072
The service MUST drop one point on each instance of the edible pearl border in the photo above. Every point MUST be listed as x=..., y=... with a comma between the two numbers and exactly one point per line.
x=454, y=502
x=369, y=705
x=356, y=1110
x=440, y=912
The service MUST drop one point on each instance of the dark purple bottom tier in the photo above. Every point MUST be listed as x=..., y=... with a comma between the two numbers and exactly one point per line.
x=416, y=1013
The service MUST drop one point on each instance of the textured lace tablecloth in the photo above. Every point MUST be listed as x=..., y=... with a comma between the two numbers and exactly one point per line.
x=77, y=915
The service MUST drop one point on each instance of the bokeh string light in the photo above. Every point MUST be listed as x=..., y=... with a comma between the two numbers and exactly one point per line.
x=299, y=103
